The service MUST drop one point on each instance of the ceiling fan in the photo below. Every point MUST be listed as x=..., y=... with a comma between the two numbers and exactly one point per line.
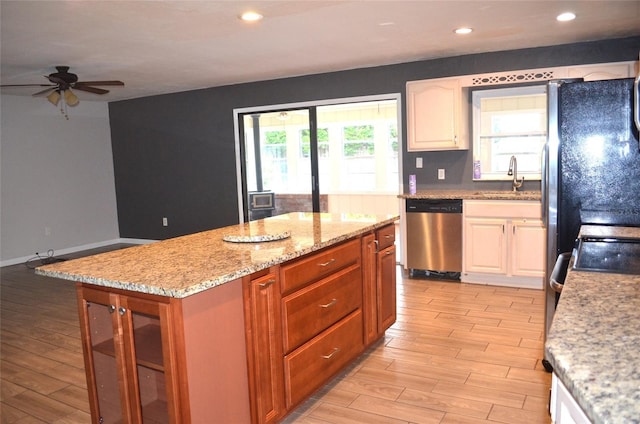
x=62, y=82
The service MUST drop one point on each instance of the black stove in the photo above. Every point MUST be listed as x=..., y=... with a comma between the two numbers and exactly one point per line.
x=608, y=254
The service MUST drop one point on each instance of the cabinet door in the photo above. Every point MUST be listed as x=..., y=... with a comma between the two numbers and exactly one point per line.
x=369, y=289
x=102, y=343
x=386, y=287
x=485, y=246
x=264, y=347
x=604, y=71
x=146, y=331
x=527, y=248
x=433, y=114
x=126, y=358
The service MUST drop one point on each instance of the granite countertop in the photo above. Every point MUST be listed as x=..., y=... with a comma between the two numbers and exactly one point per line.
x=186, y=265
x=594, y=340
x=474, y=195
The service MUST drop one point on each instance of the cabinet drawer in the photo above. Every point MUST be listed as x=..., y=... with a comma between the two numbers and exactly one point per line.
x=313, y=363
x=386, y=236
x=312, y=309
x=304, y=271
x=522, y=209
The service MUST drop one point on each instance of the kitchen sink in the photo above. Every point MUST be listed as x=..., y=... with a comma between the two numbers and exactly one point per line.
x=604, y=254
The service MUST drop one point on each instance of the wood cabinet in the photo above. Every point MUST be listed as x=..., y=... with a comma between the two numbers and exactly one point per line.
x=504, y=243
x=156, y=359
x=379, y=282
x=131, y=366
x=322, y=296
x=435, y=118
x=264, y=347
x=386, y=278
x=305, y=319
x=249, y=350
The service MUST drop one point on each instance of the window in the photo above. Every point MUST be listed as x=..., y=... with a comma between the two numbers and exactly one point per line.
x=323, y=143
x=509, y=122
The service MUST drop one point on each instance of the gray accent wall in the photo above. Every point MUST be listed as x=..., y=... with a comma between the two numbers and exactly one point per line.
x=174, y=155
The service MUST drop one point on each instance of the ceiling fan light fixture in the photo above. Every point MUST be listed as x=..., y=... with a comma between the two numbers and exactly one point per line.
x=54, y=97
x=70, y=98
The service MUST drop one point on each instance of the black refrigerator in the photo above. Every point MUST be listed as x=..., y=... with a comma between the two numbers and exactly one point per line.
x=591, y=163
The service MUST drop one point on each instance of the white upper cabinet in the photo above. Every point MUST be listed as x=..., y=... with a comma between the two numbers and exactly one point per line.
x=604, y=71
x=434, y=115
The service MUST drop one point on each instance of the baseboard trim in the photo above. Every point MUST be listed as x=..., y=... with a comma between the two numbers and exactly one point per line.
x=503, y=280
x=75, y=249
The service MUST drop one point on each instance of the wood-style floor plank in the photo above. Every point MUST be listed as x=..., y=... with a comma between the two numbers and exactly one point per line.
x=458, y=354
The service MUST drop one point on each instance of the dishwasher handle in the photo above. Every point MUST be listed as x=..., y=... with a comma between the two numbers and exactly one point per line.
x=434, y=205
x=559, y=273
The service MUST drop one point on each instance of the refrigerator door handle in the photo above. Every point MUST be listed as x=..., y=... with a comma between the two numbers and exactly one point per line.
x=636, y=102
x=543, y=186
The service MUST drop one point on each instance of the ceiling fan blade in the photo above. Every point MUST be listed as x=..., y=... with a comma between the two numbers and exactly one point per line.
x=99, y=83
x=89, y=89
x=27, y=85
x=46, y=90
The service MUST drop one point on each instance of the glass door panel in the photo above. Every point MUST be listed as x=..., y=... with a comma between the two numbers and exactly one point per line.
x=147, y=340
x=105, y=365
x=358, y=156
x=277, y=163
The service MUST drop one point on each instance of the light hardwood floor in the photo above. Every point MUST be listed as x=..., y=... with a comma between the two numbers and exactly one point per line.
x=458, y=353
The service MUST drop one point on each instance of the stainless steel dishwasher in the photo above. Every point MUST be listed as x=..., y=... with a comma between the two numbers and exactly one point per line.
x=434, y=236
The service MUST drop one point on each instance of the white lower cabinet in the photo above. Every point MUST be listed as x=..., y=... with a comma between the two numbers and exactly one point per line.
x=504, y=243
x=563, y=407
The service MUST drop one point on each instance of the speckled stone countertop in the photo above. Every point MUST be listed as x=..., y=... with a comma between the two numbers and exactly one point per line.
x=187, y=265
x=594, y=340
x=474, y=195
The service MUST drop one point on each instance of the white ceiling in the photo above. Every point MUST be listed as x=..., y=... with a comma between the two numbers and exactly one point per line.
x=158, y=47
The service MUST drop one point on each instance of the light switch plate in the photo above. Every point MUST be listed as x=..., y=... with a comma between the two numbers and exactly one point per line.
x=441, y=174
x=418, y=162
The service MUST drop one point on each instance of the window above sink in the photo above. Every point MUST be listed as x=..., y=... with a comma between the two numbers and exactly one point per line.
x=509, y=122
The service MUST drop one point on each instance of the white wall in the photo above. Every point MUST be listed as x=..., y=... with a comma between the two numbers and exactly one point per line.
x=56, y=178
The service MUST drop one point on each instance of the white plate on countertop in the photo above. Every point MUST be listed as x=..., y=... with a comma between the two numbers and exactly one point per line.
x=256, y=238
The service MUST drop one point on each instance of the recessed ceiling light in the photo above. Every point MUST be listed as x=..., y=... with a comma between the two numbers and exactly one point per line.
x=463, y=30
x=251, y=16
x=567, y=16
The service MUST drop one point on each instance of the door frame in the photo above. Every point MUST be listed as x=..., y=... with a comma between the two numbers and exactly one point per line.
x=327, y=102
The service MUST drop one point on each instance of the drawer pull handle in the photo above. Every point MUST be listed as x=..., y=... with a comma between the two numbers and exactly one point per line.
x=329, y=262
x=330, y=304
x=335, y=350
x=388, y=236
x=267, y=283
x=390, y=252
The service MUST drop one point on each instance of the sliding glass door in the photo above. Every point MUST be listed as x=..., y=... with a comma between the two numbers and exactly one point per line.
x=326, y=158
x=277, y=170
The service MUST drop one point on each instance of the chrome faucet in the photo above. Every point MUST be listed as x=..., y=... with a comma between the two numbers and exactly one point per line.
x=513, y=170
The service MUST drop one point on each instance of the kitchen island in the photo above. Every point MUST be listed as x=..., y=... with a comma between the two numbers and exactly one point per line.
x=594, y=340
x=225, y=324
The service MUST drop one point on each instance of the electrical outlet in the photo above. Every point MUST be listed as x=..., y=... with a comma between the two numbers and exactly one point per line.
x=418, y=162
x=165, y=221
x=47, y=231
x=441, y=174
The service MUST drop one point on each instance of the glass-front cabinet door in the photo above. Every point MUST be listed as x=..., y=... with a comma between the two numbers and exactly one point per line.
x=125, y=358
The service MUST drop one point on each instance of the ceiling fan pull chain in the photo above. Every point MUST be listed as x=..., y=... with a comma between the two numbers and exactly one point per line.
x=63, y=107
